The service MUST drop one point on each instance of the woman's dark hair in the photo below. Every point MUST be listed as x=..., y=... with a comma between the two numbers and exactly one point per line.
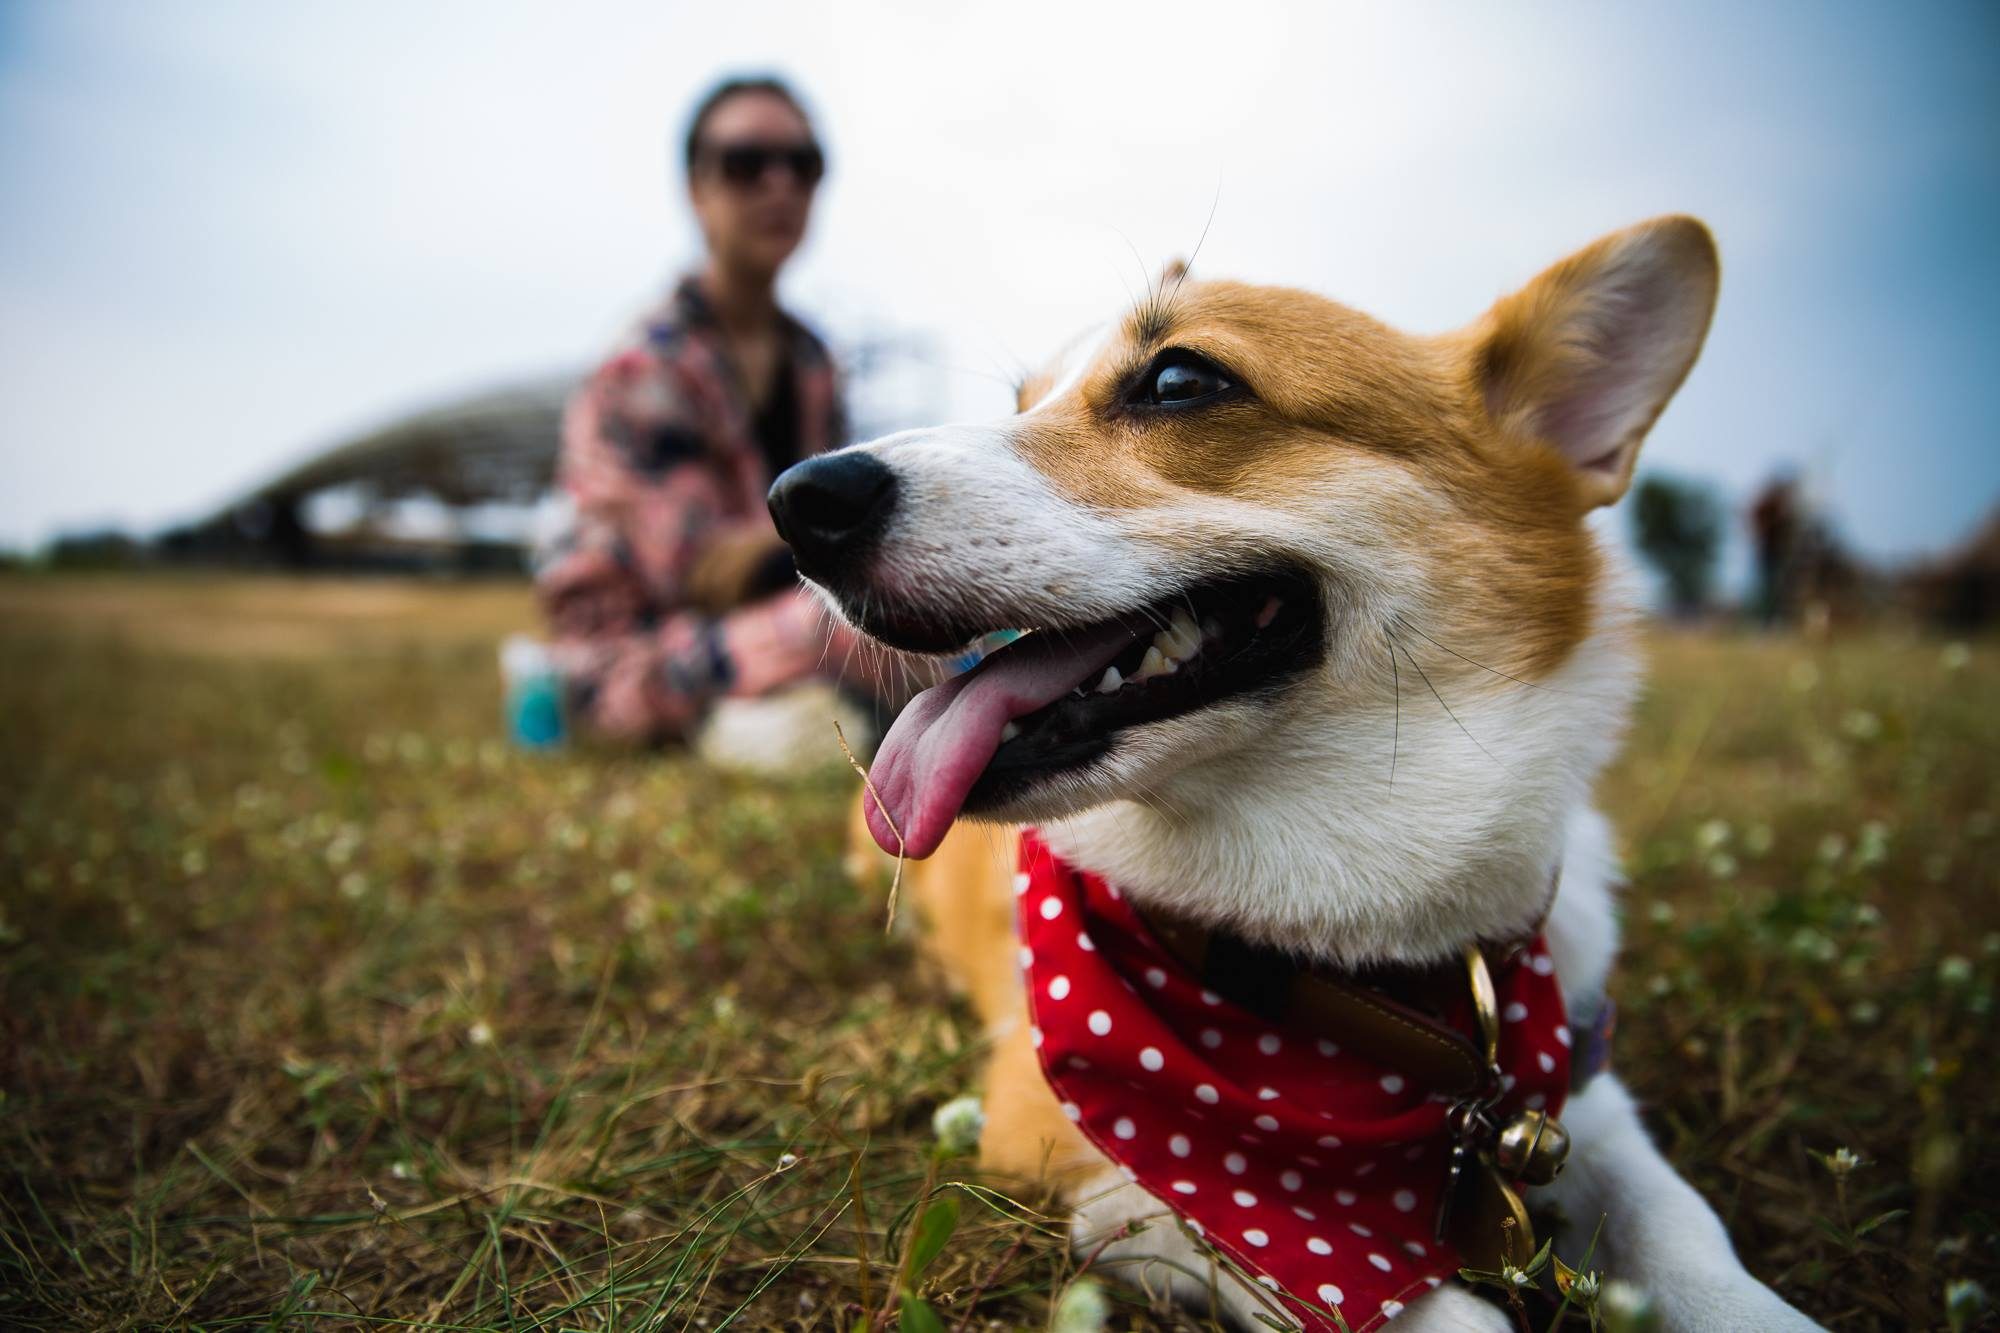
x=768, y=84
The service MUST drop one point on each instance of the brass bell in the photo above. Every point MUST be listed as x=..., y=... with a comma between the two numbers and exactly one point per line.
x=1531, y=1148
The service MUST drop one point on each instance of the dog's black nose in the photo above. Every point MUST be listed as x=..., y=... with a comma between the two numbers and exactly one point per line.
x=831, y=508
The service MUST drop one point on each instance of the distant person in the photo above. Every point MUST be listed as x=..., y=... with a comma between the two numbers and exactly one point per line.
x=672, y=591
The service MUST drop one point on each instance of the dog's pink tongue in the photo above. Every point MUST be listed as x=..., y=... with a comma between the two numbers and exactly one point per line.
x=947, y=735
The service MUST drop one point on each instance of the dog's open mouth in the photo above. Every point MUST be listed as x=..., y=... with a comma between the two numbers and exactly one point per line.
x=1050, y=702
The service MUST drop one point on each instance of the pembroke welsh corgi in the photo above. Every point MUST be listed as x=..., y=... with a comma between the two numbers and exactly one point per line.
x=1296, y=986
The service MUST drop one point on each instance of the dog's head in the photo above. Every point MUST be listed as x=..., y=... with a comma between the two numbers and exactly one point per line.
x=1252, y=529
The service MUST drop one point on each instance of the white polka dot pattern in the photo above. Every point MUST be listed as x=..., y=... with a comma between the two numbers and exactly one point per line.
x=1250, y=1130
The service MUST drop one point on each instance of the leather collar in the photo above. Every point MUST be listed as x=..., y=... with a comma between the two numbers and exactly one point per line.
x=1406, y=1017
x=1401, y=1016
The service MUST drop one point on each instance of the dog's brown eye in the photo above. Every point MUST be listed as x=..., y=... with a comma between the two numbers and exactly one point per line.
x=1182, y=377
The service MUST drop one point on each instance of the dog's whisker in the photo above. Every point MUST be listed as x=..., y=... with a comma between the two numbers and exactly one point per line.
x=1161, y=806
x=1396, y=735
x=1447, y=708
x=1404, y=623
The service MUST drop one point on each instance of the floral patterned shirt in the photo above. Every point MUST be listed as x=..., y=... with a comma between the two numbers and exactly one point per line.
x=663, y=461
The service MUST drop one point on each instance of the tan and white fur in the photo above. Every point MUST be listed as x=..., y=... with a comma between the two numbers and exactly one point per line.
x=1414, y=790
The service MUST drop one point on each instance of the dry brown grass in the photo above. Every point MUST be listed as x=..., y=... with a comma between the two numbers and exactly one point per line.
x=320, y=1007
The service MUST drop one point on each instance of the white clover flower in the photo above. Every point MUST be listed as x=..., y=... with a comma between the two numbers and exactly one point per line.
x=958, y=1124
x=480, y=1033
x=1874, y=843
x=1625, y=1306
x=1083, y=1308
x=1964, y=1301
x=1955, y=970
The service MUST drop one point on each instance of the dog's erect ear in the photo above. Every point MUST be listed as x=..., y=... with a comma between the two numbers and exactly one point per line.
x=1584, y=357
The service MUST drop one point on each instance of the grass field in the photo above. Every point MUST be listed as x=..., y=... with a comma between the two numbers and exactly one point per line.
x=319, y=1007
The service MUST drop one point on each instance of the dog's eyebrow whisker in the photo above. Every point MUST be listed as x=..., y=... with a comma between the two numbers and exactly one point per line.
x=1138, y=259
x=1533, y=685
x=1000, y=377
x=1447, y=708
x=1200, y=241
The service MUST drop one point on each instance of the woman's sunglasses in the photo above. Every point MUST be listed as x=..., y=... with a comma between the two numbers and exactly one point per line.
x=744, y=164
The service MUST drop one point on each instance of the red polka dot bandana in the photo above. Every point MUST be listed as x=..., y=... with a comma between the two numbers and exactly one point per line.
x=1315, y=1171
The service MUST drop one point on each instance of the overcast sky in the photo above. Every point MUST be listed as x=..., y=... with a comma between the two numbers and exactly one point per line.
x=230, y=234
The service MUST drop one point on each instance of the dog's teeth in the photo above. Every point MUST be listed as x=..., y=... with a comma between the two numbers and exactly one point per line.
x=1176, y=646
x=1112, y=680
x=1187, y=638
x=1009, y=732
x=1154, y=663
x=1211, y=628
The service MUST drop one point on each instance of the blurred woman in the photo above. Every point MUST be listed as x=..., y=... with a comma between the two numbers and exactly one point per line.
x=671, y=590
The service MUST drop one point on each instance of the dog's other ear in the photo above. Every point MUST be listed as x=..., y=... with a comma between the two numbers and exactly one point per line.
x=1175, y=269
x=1584, y=357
